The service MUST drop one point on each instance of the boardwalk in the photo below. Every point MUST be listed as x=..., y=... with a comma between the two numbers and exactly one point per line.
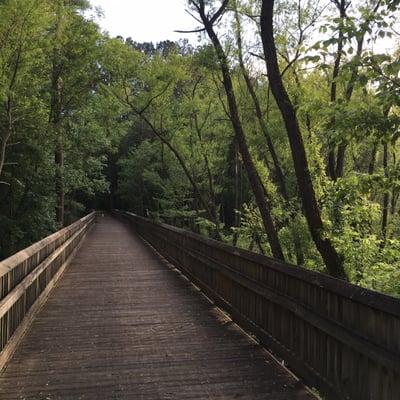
x=121, y=324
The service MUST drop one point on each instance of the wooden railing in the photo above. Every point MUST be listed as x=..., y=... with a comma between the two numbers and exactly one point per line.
x=339, y=338
x=27, y=277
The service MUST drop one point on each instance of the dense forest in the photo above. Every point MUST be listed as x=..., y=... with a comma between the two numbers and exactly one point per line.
x=278, y=131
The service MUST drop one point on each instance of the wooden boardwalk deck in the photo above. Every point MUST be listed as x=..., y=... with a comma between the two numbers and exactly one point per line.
x=121, y=324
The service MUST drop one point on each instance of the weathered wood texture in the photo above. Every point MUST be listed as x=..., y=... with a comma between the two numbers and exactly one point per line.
x=338, y=337
x=26, y=278
x=122, y=324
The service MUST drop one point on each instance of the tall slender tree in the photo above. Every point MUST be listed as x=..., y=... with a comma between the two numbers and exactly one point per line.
x=252, y=174
x=333, y=261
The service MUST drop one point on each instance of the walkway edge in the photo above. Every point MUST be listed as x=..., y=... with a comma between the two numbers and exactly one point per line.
x=23, y=328
x=249, y=329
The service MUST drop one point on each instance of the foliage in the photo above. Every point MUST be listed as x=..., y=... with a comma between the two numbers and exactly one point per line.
x=146, y=128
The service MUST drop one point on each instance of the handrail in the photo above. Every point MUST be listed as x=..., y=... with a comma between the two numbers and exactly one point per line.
x=22, y=256
x=27, y=277
x=354, y=292
x=340, y=338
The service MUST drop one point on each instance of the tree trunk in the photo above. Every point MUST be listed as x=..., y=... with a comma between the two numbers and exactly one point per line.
x=185, y=169
x=341, y=153
x=6, y=136
x=237, y=193
x=386, y=196
x=278, y=175
x=9, y=110
x=393, y=206
x=252, y=173
x=332, y=169
x=55, y=117
x=59, y=181
x=385, y=202
x=340, y=161
x=210, y=177
x=371, y=166
x=349, y=93
x=332, y=259
x=56, y=127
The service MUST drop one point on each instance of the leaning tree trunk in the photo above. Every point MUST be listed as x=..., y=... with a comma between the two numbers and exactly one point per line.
x=278, y=175
x=252, y=174
x=332, y=259
x=211, y=185
x=181, y=161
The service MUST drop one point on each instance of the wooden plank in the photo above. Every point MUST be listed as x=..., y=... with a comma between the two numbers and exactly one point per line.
x=121, y=324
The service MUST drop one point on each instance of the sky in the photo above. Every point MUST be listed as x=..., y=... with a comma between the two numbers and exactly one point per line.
x=156, y=20
x=146, y=20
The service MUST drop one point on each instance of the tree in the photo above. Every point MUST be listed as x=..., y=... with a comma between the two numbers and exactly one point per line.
x=74, y=75
x=252, y=174
x=332, y=259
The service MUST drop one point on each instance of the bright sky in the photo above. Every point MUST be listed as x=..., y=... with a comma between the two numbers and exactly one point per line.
x=156, y=20
x=146, y=20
